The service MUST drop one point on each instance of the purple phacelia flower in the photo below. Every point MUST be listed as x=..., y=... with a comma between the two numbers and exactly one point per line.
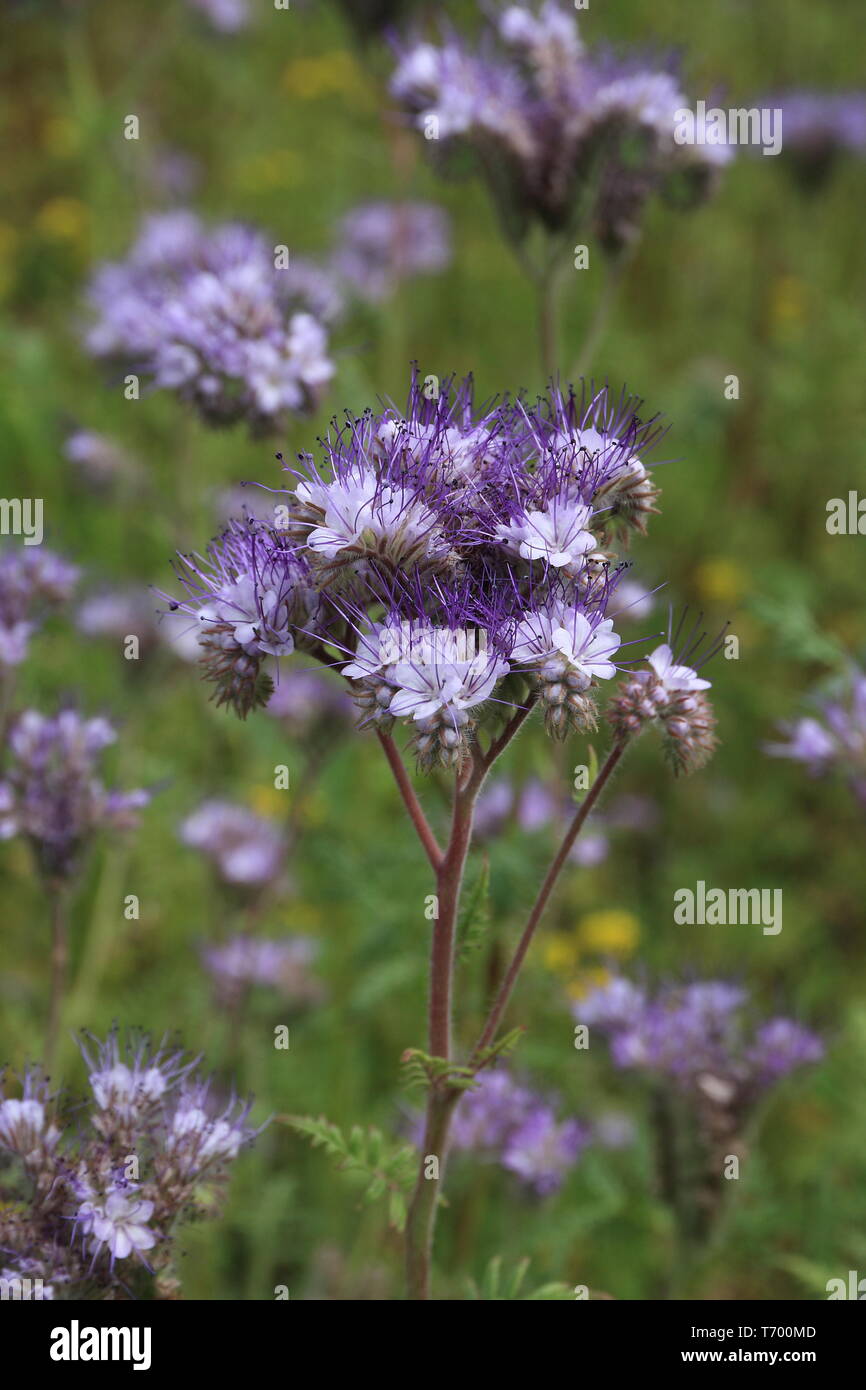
x=382, y=244
x=99, y=460
x=225, y=16
x=129, y=1079
x=697, y=1036
x=119, y=613
x=116, y=1220
x=505, y=1120
x=101, y=1188
x=246, y=850
x=447, y=559
x=545, y=117
x=198, y=1138
x=245, y=961
x=818, y=130
x=835, y=742
x=543, y=1150
x=33, y=582
x=52, y=793
x=671, y=693
x=212, y=315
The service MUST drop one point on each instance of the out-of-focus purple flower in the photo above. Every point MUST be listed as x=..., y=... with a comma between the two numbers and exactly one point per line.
x=283, y=965
x=81, y=1220
x=818, y=128
x=544, y=117
x=381, y=244
x=488, y=1113
x=52, y=793
x=129, y=1079
x=631, y=601
x=215, y=316
x=697, y=1036
x=226, y=16
x=246, y=850
x=612, y=1006
x=507, y=1121
x=200, y=1136
x=614, y=1130
x=27, y=1128
x=536, y=805
x=543, y=1150
x=834, y=742
x=590, y=849
x=33, y=582
x=781, y=1046
x=119, y=614
x=302, y=699
x=809, y=743
x=99, y=460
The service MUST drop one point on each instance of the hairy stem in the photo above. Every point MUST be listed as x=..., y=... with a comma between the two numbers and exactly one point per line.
x=441, y=1099
x=505, y=989
x=59, y=965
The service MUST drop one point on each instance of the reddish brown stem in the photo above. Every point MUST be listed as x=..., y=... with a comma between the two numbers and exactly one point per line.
x=504, y=994
x=419, y=820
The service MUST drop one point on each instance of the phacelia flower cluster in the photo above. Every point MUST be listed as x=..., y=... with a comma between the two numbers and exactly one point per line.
x=819, y=129
x=835, y=742
x=52, y=792
x=91, y=1202
x=454, y=561
x=246, y=850
x=511, y=1124
x=709, y=1066
x=246, y=962
x=381, y=244
x=33, y=583
x=563, y=136
x=672, y=696
x=697, y=1036
x=230, y=323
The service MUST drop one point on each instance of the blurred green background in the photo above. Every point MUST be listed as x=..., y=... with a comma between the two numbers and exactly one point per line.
x=286, y=120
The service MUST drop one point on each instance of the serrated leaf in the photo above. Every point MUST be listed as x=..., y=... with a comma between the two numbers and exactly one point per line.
x=474, y=917
x=363, y=1153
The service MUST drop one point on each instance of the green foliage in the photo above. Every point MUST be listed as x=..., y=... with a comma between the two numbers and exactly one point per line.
x=500, y=1286
x=474, y=920
x=364, y=1154
x=420, y=1069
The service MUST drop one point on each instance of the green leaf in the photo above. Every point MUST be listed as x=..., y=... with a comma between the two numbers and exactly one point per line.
x=496, y=1288
x=503, y=1046
x=475, y=915
x=363, y=1153
x=420, y=1069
